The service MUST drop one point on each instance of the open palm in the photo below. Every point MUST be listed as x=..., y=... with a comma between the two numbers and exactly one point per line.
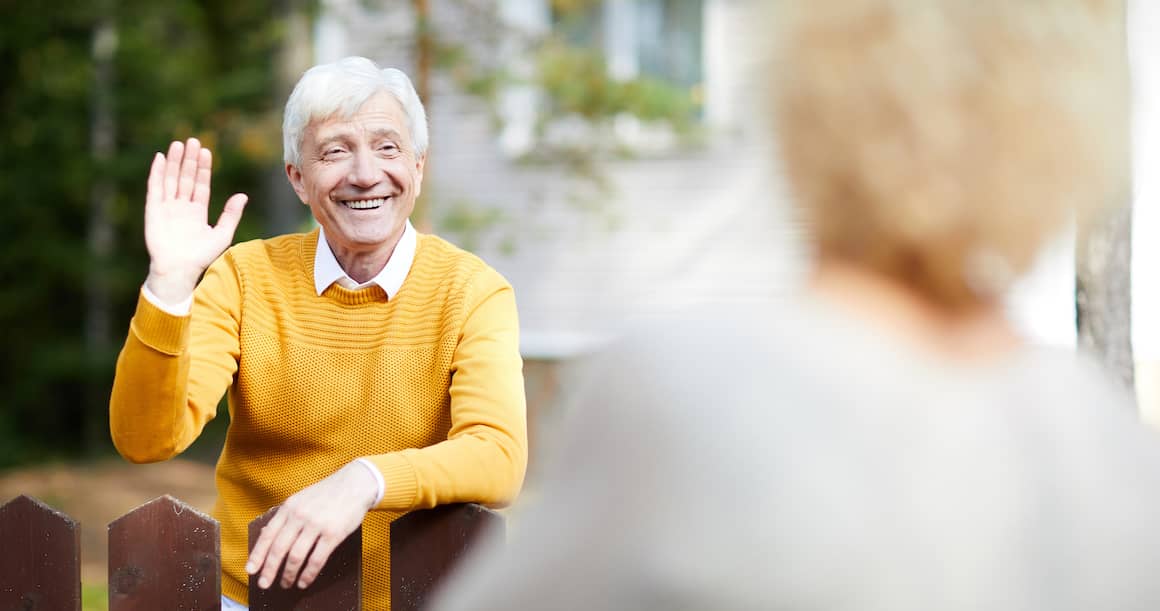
x=180, y=241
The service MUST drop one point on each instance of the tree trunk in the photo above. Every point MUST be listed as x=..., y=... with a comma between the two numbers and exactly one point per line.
x=98, y=306
x=424, y=56
x=283, y=211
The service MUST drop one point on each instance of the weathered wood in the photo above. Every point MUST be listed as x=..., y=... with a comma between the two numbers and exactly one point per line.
x=165, y=555
x=337, y=588
x=427, y=544
x=40, y=567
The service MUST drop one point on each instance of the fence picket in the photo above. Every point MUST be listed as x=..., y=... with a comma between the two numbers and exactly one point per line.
x=167, y=555
x=40, y=567
x=427, y=544
x=164, y=555
x=337, y=588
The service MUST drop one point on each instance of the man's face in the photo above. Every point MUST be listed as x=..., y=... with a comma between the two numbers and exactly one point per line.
x=360, y=176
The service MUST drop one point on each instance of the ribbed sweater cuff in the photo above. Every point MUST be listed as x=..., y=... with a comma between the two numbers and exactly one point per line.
x=399, y=479
x=158, y=329
x=235, y=589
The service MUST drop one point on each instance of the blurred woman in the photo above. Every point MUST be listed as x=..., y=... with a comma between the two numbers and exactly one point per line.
x=887, y=441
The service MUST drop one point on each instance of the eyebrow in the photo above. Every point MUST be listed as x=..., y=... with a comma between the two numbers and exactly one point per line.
x=347, y=134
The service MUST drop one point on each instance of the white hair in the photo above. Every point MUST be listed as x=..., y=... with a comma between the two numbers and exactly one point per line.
x=341, y=88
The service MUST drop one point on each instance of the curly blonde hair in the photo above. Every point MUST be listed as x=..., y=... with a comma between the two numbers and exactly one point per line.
x=941, y=142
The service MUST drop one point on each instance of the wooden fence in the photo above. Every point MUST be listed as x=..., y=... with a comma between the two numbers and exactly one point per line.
x=165, y=555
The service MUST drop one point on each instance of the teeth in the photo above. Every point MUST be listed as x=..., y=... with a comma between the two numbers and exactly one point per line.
x=364, y=204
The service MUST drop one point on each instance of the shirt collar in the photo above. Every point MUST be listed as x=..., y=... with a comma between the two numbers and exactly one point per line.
x=327, y=271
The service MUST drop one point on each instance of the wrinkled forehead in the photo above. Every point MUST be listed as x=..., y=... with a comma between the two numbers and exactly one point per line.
x=379, y=115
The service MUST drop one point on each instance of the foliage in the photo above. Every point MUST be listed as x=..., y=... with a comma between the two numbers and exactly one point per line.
x=179, y=69
x=470, y=222
x=576, y=83
x=568, y=70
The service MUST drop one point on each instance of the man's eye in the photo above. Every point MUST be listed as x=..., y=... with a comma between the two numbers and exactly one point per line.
x=390, y=146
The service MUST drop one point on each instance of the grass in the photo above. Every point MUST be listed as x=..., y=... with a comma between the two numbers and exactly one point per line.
x=94, y=598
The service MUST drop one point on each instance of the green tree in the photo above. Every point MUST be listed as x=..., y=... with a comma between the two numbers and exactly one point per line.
x=94, y=89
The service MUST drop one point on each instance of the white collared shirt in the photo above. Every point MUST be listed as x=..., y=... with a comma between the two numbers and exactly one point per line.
x=327, y=271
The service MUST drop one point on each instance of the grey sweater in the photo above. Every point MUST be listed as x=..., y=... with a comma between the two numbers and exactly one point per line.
x=790, y=458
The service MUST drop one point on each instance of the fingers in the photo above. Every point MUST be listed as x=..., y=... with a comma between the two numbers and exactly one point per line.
x=297, y=556
x=307, y=528
x=172, y=169
x=304, y=552
x=275, y=540
x=231, y=214
x=322, y=550
x=155, y=185
x=187, y=172
x=201, y=179
x=261, y=549
x=183, y=173
x=188, y=176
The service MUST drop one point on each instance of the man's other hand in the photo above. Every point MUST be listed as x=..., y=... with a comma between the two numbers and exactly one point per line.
x=309, y=525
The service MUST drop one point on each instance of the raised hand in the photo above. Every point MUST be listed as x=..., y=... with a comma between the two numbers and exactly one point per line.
x=180, y=241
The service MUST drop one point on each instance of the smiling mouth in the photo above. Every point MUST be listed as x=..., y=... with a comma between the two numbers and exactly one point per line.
x=364, y=204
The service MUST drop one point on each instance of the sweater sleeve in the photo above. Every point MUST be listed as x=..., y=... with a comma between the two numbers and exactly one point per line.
x=485, y=455
x=173, y=370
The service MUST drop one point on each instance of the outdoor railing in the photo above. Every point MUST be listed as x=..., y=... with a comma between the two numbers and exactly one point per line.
x=166, y=555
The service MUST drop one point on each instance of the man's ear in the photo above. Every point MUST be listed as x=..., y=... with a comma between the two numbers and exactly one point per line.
x=295, y=177
x=420, y=163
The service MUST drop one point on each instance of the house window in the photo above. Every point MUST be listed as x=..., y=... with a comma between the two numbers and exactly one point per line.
x=654, y=39
x=669, y=40
x=651, y=48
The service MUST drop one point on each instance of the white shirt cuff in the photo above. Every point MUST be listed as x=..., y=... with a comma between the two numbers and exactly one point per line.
x=178, y=309
x=229, y=604
x=378, y=478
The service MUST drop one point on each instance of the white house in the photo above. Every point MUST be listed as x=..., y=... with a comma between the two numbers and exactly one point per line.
x=684, y=224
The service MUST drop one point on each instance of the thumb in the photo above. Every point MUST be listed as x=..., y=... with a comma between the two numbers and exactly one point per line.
x=231, y=214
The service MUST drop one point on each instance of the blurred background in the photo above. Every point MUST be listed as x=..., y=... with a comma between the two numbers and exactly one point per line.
x=609, y=157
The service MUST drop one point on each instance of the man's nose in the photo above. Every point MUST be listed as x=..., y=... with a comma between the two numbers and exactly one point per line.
x=364, y=172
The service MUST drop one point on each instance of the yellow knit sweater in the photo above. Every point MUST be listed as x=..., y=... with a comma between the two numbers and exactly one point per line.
x=428, y=386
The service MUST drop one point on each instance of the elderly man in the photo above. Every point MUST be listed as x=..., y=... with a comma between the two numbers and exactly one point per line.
x=371, y=370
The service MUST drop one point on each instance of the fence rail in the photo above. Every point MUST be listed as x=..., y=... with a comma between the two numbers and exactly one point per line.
x=166, y=555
